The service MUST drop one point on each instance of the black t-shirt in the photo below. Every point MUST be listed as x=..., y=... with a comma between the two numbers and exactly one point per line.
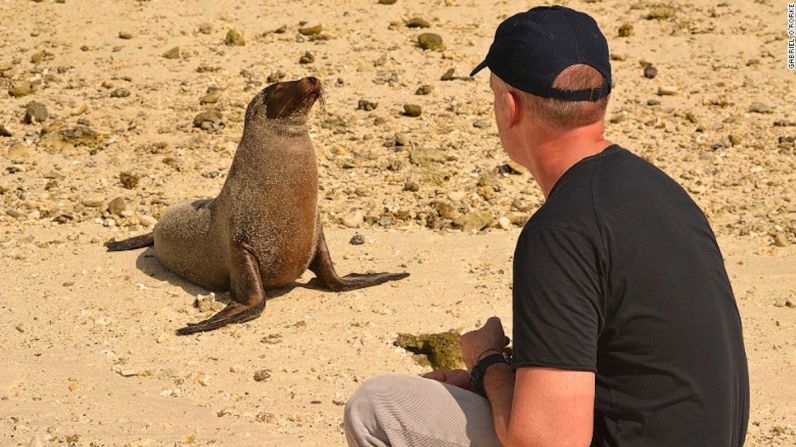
x=619, y=273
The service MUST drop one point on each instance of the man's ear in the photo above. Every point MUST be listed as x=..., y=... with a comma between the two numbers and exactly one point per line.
x=514, y=107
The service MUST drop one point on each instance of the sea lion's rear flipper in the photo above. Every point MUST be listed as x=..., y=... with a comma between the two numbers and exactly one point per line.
x=145, y=240
x=323, y=268
x=246, y=291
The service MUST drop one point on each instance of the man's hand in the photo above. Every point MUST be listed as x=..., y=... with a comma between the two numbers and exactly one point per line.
x=457, y=377
x=479, y=343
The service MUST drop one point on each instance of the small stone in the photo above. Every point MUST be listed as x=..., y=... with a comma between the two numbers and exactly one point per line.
x=481, y=124
x=261, y=375
x=18, y=152
x=781, y=240
x=307, y=58
x=128, y=179
x=79, y=110
x=276, y=76
x=650, y=72
x=660, y=12
x=353, y=220
x=474, y=221
x=625, y=30
x=234, y=38
x=418, y=22
x=125, y=35
x=667, y=90
x=387, y=2
x=120, y=93
x=128, y=373
x=4, y=132
x=448, y=75
x=311, y=30
x=422, y=156
x=211, y=97
x=412, y=110
x=424, y=89
x=147, y=221
x=208, y=120
x=173, y=53
x=504, y=223
x=401, y=139
x=35, y=112
x=653, y=102
x=93, y=201
x=205, y=303
x=268, y=418
x=734, y=138
x=38, y=57
x=205, y=28
x=364, y=104
x=117, y=206
x=19, y=89
x=357, y=239
x=430, y=41
x=759, y=107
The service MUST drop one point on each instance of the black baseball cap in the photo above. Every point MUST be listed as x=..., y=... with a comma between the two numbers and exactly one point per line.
x=533, y=47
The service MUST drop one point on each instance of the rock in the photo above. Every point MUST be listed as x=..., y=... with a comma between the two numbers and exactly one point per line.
x=481, y=124
x=128, y=179
x=504, y=223
x=311, y=30
x=234, y=38
x=125, y=35
x=401, y=139
x=173, y=53
x=208, y=120
x=660, y=12
x=276, y=76
x=387, y=2
x=759, y=107
x=205, y=303
x=626, y=30
x=781, y=240
x=205, y=28
x=19, y=89
x=418, y=22
x=18, y=152
x=650, y=72
x=430, y=41
x=35, y=112
x=4, y=132
x=422, y=156
x=92, y=201
x=353, y=220
x=440, y=350
x=79, y=110
x=38, y=57
x=474, y=221
x=667, y=90
x=653, y=102
x=424, y=89
x=120, y=93
x=307, y=58
x=448, y=75
x=147, y=221
x=76, y=136
x=117, y=206
x=261, y=375
x=366, y=105
x=412, y=110
x=735, y=139
x=357, y=239
x=211, y=97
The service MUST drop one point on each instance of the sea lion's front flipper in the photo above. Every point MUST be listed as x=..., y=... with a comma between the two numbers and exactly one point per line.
x=323, y=268
x=246, y=291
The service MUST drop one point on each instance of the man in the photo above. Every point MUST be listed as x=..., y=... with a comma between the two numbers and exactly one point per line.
x=626, y=331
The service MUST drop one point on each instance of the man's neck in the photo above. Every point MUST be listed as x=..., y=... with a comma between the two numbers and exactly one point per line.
x=552, y=156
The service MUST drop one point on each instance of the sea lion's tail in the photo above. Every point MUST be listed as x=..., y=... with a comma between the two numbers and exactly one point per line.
x=145, y=240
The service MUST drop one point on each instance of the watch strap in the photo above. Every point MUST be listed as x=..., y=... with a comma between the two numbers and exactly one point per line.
x=479, y=370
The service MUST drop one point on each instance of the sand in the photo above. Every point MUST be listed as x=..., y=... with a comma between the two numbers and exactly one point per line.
x=89, y=355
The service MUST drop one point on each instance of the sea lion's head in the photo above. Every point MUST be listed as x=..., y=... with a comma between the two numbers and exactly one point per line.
x=285, y=102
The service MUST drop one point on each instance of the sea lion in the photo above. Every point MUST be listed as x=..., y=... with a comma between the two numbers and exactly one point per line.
x=263, y=230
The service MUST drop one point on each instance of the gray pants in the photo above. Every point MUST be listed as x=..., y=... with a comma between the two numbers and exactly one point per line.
x=402, y=411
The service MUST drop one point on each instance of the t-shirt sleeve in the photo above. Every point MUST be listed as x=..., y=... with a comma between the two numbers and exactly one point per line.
x=556, y=296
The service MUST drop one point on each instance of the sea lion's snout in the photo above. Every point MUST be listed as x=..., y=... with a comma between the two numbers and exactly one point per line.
x=290, y=98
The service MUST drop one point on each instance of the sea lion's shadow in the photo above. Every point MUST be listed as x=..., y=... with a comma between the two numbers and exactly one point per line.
x=149, y=264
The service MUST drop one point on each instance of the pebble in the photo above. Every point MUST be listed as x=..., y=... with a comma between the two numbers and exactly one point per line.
x=205, y=303
x=626, y=30
x=128, y=179
x=307, y=58
x=759, y=107
x=79, y=110
x=424, y=89
x=38, y=57
x=667, y=90
x=261, y=375
x=387, y=2
x=353, y=220
x=35, y=112
x=4, y=132
x=474, y=221
x=93, y=201
x=504, y=223
x=653, y=102
x=430, y=41
x=19, y=89
x=146, y=220
x=650, y=72
x=781, y=240
x=125, y=35
x=173, y=53
x=481, y=124
x=418, y=22
x=117, y=206
x=120, y=93
x=208, y=120
x=211, y=97
x=205, y=28
x=311, y=30
x=364, y=104
x=448, y=75
x=357, y=239
x=234, y=38
x=412, y=110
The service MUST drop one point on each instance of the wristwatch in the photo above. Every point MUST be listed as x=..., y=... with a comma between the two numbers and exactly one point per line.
x=477, y=374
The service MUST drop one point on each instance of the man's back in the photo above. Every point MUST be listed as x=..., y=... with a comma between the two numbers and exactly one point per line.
x=663, y=333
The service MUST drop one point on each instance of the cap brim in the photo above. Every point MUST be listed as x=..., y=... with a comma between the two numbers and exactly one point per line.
x=478, y=68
